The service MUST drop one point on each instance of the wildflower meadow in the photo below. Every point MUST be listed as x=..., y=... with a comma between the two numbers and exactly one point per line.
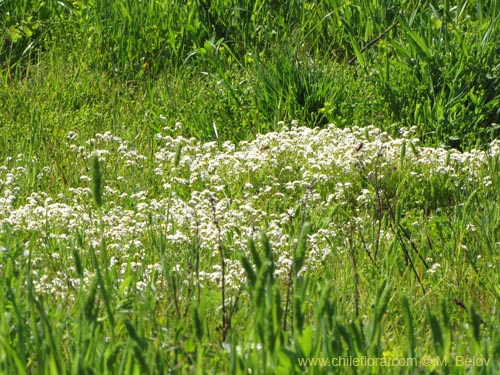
x=249, y=187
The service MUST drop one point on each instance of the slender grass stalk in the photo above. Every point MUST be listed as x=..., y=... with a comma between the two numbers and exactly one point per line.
x=225, y=323
x=409, y=325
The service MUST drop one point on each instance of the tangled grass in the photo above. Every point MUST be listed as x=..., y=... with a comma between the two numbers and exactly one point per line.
x=144, y=241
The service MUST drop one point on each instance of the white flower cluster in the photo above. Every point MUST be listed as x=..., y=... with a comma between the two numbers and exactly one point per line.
x=209, y=195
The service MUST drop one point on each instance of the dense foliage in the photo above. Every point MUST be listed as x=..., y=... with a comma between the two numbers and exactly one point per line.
x=175, y=199
x=248, y=64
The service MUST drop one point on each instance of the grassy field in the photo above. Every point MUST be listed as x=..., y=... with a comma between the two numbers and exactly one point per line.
x=249, y=187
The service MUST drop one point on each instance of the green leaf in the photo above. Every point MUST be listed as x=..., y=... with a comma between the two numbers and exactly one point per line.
x=306, y=341
x=300, y=251
x=410, y=329
x=357, y=51
x=189, y=346
x=437, y=333
x=415, y=40
x=251, y=276
x=255, y=255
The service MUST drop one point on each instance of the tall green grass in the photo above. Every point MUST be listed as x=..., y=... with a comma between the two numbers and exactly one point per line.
x=408, y=273
x=395, y=64
x=414, y=274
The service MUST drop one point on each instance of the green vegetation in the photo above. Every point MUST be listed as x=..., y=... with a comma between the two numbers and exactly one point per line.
x=174, y=200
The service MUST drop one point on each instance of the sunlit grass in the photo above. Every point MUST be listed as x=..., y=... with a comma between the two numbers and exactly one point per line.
x=378, y=208
x=174, y=198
